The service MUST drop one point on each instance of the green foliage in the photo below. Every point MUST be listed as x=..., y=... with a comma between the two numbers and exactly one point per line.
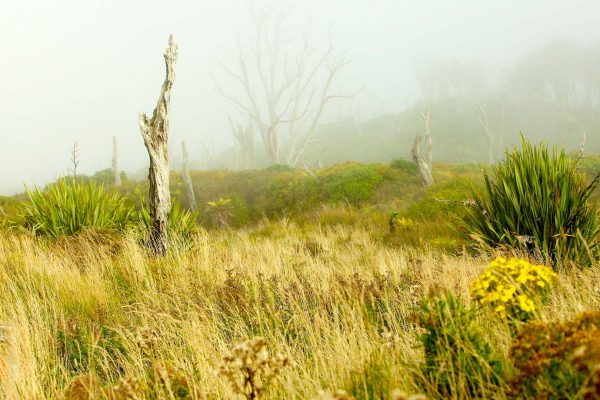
x=556, y=360
x=9, y=209
x=78, y=345
x=107, y=177
x=458, y=358
x=279, y=168
x=68, y=206
x=537, y=202
x=406, y=166
x=354, y=183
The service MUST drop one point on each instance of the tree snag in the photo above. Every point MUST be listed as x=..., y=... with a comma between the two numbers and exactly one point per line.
x=155, y=132
x=187, y=179
x=485, y=124
x=115, y=163
x=424, y=164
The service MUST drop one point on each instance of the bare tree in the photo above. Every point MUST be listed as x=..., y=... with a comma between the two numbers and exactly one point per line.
x=424, y=163
x=485, y=124
x=244, y=135
x=187, y=179
x=282, y=93
x=155, y=132
x=115, y=163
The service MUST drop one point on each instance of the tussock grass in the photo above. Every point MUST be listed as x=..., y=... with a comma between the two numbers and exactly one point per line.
x=335, y=301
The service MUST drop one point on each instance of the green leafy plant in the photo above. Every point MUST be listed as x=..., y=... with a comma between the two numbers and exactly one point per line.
x=537, y=203
x=557, y=360
x=458, y=358
x=68, y=206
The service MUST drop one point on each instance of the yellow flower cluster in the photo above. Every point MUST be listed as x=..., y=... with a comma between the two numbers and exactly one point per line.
x=509, y=285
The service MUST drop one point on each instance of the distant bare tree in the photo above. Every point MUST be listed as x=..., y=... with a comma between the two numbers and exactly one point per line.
x=489, y=133
x=424, y=163
x=187, y=179
x=155, y=132
x=245, y=138
x=115, y=163
x=283, y=92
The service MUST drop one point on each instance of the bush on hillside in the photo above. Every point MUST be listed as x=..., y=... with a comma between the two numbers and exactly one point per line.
x=537, y=203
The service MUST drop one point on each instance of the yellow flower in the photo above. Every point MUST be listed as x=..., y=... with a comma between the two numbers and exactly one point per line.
x=512, y=284
x=526, y=304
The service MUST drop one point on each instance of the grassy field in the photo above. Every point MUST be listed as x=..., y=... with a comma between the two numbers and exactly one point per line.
x=345, y=309
x=337, y=303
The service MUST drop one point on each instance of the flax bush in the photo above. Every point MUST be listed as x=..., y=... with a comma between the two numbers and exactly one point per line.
x=537, y=202
x=68, y=206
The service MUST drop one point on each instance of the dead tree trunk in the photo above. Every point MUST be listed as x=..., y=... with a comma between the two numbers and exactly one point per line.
x=424, y=163
x=155, y=132
x=115, y=163
x=187, y=179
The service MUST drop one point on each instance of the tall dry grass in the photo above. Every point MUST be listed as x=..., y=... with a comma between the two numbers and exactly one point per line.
x=334, y=301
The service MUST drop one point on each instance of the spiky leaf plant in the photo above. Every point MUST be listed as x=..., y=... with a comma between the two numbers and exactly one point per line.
x=68, y=206
x=537, y=202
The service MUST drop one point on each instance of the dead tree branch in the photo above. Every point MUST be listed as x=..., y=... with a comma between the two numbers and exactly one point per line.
x=155, y=132
x=424, y=164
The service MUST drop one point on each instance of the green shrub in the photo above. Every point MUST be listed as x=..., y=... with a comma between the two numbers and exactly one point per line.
x=537, y=203
x=107, y=177
x=556, y=360
x=406, y=166
x=459, y=362
x=68, y=206
x=354, y=183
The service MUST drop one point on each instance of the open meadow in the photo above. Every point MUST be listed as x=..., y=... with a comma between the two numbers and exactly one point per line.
x=329, y=302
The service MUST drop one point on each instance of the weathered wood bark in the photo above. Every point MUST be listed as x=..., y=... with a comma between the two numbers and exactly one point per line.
x=187, y=179
x=424, y=163
x=155, y=132
x=115, y=163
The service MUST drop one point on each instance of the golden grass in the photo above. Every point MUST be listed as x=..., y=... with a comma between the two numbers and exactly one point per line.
x=336, y=302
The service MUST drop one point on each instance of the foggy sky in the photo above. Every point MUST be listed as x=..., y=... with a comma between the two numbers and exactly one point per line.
x=83, y=70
